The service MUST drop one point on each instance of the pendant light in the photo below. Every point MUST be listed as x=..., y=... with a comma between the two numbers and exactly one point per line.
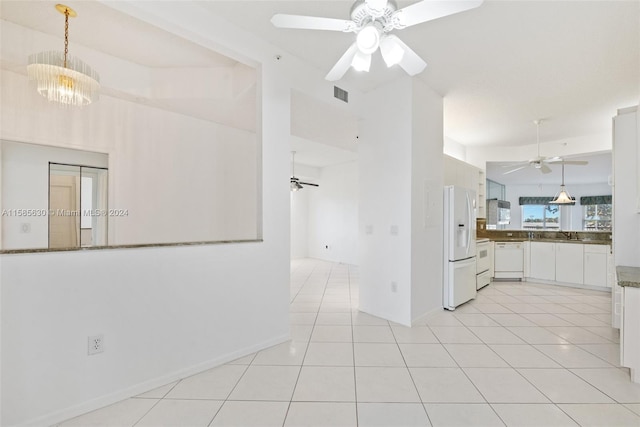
x=60, y=78
x=562, y=197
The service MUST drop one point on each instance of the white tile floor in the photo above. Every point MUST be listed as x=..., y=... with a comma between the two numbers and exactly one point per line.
x=521, y=354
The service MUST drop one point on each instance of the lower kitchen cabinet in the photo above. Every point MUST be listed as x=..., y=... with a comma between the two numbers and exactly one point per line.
x=570, y=263
x=595, y=265
x=573, y=263
x=543, y=260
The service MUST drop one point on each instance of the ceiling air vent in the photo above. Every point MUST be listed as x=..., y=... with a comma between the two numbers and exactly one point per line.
x=341, y=94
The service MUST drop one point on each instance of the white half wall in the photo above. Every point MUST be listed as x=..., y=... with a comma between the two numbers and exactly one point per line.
x=165, y=313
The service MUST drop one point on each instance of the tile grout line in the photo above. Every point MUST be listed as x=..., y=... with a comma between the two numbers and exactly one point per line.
x=295, y=386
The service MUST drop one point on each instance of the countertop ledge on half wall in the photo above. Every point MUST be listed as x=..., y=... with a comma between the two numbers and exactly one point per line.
x=143, y=245
x=628, y=276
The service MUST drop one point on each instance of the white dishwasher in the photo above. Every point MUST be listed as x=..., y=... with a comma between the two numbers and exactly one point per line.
x=509, y=260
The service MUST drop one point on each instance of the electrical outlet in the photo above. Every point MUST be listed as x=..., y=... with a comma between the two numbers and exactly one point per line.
x=96, y=344
x=394, y=287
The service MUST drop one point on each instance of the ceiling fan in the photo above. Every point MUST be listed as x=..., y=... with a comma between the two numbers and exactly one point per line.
x=540, y=162
x=373, y=21
x=294, y=183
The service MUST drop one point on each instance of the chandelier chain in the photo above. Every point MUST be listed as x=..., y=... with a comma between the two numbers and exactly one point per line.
x=66, y=36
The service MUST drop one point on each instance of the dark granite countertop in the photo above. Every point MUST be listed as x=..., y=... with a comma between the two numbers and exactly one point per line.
x=628, y=276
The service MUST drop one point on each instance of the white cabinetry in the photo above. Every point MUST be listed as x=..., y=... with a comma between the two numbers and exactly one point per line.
x=596, y=259
x=570, y=263
x=543, y=260
x=573, y=263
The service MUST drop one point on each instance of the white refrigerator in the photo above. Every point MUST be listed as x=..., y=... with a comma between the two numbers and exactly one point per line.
x=459, y=246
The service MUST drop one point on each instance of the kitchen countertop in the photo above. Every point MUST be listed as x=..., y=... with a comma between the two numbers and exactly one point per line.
x=628, y=276
x=584, y=242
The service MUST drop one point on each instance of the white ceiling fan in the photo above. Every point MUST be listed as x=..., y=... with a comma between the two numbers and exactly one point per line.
x=373, y=21
x=294, y=183
x=540, y=162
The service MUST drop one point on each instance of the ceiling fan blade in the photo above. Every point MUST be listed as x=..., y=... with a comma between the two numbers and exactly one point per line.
x=554, y=160
x=516, y=164
x=301, y=22
x=309, y=183
x=343, y=64
x=516, y=169
x=567, y=162
x=544, y=168
x=576, y=162
x=410, y=62
x=428, y=10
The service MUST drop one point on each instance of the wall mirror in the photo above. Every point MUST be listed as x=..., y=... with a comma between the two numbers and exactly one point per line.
x=78, y=209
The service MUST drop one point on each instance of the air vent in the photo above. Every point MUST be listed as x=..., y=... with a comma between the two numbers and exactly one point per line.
x=341, y=94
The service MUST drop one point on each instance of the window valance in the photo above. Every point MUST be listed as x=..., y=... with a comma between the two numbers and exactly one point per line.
x=539, y=201
x=596, y=200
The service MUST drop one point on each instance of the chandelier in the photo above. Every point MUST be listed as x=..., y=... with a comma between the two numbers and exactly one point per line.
x=60, y=78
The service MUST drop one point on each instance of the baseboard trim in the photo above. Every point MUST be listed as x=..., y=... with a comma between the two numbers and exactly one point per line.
x=100, y=402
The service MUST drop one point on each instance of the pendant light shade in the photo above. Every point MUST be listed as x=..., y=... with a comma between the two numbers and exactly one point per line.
x=60, y=78
x=563, y=197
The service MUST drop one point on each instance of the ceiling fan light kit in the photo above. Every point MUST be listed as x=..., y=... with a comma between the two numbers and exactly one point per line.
x=372, y=21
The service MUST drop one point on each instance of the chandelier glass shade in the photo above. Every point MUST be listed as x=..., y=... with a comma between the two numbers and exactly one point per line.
x=563, y=197
x=61, y=78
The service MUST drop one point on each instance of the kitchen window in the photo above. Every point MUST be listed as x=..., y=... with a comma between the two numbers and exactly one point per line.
x=596, y=213
x=541, y=217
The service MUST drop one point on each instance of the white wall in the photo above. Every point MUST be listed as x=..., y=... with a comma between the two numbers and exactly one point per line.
x=626, y=158
x=400, y=210
x=571, y=216
x=333, y=215
x=300, y=222
x=165, y=312
x=427, y=202
x=384, y=165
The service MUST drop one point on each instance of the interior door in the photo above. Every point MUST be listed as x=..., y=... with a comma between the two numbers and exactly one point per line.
x=64, y=211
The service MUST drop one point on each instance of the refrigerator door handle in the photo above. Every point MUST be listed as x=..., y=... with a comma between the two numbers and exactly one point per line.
x=468, y=223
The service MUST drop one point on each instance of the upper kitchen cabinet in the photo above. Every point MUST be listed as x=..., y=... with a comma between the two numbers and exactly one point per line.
x=457, y=172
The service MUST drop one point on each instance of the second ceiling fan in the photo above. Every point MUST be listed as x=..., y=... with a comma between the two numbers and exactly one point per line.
x=539, y=162
x=373, y=21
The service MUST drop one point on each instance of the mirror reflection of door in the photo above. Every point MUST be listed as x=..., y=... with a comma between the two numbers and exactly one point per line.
x=77, y=206
x=64, y=203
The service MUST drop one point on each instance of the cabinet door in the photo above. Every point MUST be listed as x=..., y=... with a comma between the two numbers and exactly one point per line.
x=543, y=261
x=595, y=269
x=569, y=263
